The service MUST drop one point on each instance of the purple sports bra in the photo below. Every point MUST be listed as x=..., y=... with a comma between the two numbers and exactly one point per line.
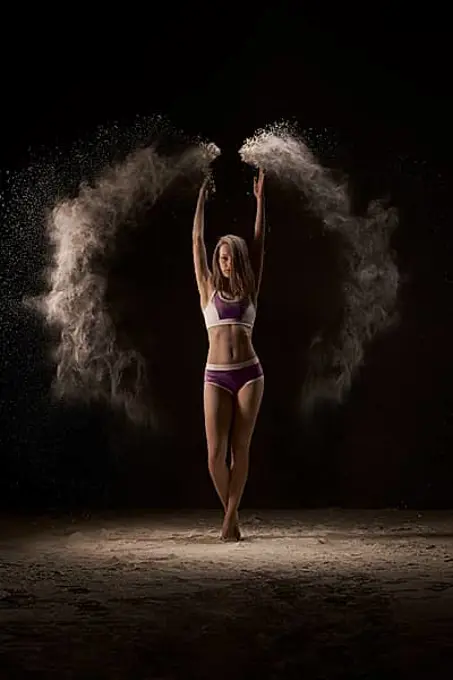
x=220, y=312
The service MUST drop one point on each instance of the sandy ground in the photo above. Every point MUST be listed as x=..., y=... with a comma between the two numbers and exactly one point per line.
x=316, y=594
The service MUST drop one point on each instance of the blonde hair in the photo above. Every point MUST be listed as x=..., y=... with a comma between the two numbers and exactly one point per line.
x=241, y=282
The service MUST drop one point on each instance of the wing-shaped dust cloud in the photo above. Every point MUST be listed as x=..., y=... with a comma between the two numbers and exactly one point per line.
x=370, y=275
x=92, y=363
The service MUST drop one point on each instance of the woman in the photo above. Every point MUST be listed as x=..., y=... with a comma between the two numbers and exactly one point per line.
x=234, y=380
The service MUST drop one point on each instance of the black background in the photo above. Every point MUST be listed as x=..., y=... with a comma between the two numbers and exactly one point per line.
x=381, y=83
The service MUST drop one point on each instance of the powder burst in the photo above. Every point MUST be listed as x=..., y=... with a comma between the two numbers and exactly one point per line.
x=370, y=275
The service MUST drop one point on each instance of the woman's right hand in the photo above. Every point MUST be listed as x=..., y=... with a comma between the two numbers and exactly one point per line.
x=203, y=193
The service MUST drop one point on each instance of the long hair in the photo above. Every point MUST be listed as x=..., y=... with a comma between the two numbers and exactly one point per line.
x=241, y=282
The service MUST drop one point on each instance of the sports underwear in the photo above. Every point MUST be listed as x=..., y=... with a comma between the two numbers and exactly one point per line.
x=232, y=377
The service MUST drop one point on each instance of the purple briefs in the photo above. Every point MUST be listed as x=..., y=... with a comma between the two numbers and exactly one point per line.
x=234, y=376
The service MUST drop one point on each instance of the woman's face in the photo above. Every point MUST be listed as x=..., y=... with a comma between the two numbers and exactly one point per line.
x=225, y=260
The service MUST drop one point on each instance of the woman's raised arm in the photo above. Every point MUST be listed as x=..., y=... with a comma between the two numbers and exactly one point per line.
x=202, y=272
x=258, y=240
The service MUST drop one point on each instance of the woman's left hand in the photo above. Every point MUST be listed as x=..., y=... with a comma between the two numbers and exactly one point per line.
x=258, y=185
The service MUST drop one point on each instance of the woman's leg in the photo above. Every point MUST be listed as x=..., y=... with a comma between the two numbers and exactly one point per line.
x=218, y=411
x=248, y=404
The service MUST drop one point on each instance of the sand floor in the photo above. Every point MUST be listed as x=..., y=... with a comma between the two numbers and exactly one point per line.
x=316, y=594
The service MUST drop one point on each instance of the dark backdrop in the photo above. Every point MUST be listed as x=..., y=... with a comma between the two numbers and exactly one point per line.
x=382, y=89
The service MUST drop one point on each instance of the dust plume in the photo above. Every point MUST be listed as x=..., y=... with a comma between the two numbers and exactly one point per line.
x=92, y=363
x=369, y=274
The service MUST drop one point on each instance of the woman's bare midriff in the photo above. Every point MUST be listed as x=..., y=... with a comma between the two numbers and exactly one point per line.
x=230, y=344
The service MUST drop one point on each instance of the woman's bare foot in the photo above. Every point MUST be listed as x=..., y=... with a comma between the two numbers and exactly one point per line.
x=230, y=528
